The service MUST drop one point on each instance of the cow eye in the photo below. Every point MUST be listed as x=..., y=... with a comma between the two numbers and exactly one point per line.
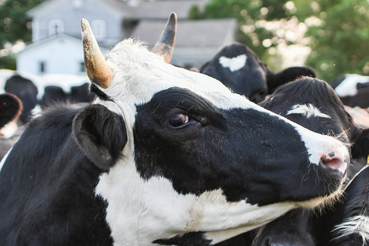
x=179, y=120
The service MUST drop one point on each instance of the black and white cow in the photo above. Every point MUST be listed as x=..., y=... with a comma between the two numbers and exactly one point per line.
x=274, y=80
x=313, y=104
x=353, y=89
x=42, y=91
x=240, y=69
x=10, y=110
x=163, y=156
x=25, y=90
x=64, y=87
x=351, y=216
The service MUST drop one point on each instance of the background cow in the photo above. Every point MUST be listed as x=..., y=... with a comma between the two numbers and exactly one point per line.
x=240, y=69
x=353, y=89
x=313, y=104
x=160, y=157
x=42, y=91
x=10, y=110
x=26, y=91
x=350, y=218
x=274, y=80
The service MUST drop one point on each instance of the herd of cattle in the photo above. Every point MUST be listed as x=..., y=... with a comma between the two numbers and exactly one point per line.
x=149, y=153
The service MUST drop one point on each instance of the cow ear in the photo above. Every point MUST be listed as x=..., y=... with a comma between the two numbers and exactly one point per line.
x=360, y=147
x=100, y=134
x=10, y=108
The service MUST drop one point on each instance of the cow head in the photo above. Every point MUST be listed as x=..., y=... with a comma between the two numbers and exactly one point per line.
x=239, y=68
x=313, y=104
x=185, y=158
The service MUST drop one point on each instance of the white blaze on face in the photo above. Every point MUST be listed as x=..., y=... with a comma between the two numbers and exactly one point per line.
x=235, y=63
x=307, y=110
x=348, y=86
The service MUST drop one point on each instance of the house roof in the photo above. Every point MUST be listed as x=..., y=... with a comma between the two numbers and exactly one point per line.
x=161, y=9
x=142, y=10
x=114, y=7
x=216, y=31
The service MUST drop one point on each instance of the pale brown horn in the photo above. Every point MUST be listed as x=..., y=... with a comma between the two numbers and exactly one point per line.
x=97, y=70
x=167, y=39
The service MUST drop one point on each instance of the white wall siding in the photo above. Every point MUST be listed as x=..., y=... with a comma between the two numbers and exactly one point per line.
x=60, y=55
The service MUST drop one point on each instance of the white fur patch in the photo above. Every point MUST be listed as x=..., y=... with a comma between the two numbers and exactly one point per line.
x=307, y=110
x=348, y=86
x=235, y=63
x=9, y=129
x=354, y=225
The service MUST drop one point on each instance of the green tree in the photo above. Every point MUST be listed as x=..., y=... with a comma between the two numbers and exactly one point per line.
x=14, y=24
x=252, y=17
x=340, y=43
x=337, y=31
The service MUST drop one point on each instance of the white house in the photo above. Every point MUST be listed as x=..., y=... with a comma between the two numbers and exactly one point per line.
x=57, y=48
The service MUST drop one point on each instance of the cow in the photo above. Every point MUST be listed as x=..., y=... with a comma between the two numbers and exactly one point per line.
x=10, y=110
x=26, y=91
x=353, y=89
x=351, y=216
x=313, y=104
x=39, y=92
x=162, y=156
x=65, y=87
x=239, y=68
x=274, y=80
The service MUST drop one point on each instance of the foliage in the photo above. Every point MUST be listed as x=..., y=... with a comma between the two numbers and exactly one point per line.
x=340, y=44
x=14, y=23
x=336, y=30
x=7, y=62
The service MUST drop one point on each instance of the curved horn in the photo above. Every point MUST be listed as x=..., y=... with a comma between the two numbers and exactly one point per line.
x=97, y=70
x=167, y=39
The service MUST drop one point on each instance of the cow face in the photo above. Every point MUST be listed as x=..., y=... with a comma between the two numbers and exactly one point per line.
x=198, y=162
x=313, y=104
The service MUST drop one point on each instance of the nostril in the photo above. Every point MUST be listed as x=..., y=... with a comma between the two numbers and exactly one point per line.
x=334, y=161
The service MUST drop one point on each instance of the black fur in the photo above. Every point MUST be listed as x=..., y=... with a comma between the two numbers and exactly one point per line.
x=99, y=93
x=26, y=91
x=101, y=135
x=47, y=188
x=10, y=108
x=188, y=239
